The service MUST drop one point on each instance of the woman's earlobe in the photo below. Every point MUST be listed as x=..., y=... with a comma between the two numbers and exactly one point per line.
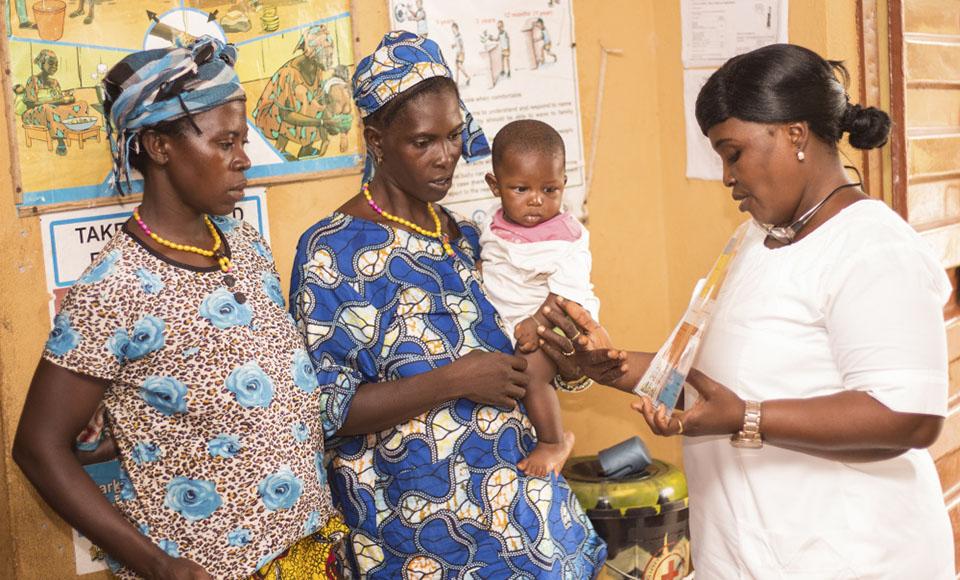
x=154, y=146
x=373, y=139
x=798, y=134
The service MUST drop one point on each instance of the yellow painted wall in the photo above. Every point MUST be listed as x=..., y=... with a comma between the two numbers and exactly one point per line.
x=653, y=234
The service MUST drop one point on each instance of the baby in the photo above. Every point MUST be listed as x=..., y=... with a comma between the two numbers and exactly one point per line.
x=532, y=252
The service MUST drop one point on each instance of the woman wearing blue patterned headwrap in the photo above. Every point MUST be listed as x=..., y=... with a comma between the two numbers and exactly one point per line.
x=179, y=327
x=419, y=382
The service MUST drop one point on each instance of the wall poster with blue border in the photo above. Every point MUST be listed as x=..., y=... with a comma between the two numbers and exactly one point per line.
x=296, y=59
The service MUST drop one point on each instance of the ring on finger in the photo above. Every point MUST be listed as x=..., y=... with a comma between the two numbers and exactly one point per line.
x=572, y=350
x=680, y=424
x=574, y=337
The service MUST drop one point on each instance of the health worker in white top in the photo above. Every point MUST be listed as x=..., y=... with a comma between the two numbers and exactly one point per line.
x=822, y=376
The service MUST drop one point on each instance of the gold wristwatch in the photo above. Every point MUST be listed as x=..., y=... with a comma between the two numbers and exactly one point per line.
x=749, y=435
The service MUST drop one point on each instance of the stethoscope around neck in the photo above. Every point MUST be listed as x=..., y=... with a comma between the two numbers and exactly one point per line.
x=786, y=234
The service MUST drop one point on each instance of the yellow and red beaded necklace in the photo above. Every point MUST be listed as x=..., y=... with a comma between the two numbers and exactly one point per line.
x=436, y=219
x=216, y=252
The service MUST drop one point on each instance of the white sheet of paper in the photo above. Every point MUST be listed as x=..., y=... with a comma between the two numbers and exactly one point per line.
x=715, y=30
x=702, y=160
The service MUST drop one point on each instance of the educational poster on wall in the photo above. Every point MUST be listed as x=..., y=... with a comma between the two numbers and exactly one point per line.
x=713, y=31
x=71, y=240
x=295, y=61
x=511, y=59
x=716, y=30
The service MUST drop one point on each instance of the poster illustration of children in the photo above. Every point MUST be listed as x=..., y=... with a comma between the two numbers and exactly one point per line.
x=493, y=43
x=418, y=15
x=518, y=67
x=504, y=39
x=546, y=44
x=460, y=54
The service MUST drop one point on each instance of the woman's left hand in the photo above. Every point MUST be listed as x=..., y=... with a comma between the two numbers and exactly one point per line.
x=717, y=411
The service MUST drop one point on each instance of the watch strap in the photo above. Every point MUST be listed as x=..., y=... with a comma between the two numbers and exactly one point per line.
x=749, y=435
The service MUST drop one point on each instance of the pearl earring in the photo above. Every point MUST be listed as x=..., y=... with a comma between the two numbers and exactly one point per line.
x=800, y=155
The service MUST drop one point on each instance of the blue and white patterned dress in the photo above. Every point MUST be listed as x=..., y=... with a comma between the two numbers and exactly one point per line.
x=438, y=496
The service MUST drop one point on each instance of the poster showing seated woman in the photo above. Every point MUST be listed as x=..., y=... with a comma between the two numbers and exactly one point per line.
x=295, y=61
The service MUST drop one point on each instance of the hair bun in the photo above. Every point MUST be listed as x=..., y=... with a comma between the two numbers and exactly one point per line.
x=868, y=128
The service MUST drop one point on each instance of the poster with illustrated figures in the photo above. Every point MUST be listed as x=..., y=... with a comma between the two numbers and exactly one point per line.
x=295, y=61
x=511, y=59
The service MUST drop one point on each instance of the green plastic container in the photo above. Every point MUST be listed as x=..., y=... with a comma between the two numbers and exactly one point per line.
x=642, y=517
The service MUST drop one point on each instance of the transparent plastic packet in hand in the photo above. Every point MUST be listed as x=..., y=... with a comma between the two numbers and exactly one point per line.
x=664, y=378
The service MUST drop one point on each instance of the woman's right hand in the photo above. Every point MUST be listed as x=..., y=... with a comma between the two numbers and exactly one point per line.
x=491, y=378
x=105, y=451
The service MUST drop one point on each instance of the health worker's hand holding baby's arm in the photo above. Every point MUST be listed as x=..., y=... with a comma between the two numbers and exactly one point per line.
x=591, y=352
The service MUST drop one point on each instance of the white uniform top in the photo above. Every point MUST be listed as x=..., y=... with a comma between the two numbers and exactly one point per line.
x=855, y=305
x=517, y=277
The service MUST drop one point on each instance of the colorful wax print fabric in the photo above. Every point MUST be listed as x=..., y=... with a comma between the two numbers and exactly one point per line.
x=315, y=557
x=438, y=496
x=212, y=400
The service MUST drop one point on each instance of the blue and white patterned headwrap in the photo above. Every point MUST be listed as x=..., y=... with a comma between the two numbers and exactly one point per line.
x=165, y=84
x=401, y=61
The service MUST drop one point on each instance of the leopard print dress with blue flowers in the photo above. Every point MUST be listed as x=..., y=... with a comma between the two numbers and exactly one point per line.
x=212, y=400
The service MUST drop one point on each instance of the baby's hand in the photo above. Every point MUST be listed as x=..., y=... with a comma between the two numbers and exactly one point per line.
x=526, y=334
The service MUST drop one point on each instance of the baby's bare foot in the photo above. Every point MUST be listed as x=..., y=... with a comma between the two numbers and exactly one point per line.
x=547, y=457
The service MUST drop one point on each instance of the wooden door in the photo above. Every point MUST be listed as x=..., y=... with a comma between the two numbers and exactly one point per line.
x=924, y=165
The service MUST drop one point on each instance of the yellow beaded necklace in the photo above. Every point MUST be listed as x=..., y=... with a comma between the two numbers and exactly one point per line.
x=436, y=219
x=222, y=258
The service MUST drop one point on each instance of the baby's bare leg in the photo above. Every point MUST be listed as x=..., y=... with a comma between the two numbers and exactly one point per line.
x=543, y=408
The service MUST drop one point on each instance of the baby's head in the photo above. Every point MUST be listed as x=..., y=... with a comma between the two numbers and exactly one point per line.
x=528, y=171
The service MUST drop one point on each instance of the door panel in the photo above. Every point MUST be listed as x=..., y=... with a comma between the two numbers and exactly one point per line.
x=924, y=164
